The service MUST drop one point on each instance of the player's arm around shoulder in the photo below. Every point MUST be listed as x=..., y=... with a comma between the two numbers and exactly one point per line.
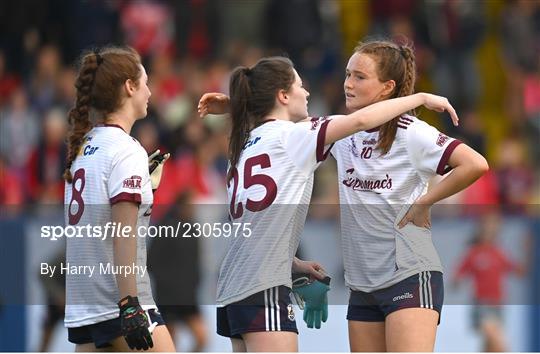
x=384, y=111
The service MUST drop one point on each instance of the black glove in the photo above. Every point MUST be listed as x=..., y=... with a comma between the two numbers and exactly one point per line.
x=134, y=324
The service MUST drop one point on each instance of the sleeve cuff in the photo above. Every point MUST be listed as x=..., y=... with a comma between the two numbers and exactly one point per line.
x=126, y=197
x=321, y=137
x=443, y=167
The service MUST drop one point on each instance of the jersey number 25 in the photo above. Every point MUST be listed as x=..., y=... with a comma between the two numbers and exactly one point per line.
x=250, y=179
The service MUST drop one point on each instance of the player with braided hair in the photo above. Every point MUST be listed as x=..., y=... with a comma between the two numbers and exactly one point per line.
x=391, y=265
x=109, y=181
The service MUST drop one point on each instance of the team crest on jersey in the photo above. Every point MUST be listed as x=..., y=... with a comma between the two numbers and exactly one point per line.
x=354, y=149
x=290, y=312
x=133, y=182
x=442, y=139
x=314, y=123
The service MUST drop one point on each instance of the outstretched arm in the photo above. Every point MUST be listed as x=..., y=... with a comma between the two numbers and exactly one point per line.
x=342, y=126
x=381, y=112
x=213, y=103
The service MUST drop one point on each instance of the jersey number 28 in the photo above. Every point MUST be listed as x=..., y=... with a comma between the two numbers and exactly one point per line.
x=250, y=179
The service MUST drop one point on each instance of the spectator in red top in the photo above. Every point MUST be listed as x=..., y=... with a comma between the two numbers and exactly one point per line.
x=46, y=163
x=146, y=25
x=11, y=192
x=487, y=264
x=8, y=82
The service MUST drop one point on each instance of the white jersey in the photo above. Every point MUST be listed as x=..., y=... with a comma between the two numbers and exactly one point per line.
x=270, y=195
x=111, y=167
x=375, y=193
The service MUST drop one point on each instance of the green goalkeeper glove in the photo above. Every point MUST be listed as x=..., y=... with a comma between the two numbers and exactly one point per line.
x=312, y=297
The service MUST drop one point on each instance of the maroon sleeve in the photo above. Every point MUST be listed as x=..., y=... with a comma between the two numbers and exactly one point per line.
x=442, y=167
x=321, y=137
x=126, y=197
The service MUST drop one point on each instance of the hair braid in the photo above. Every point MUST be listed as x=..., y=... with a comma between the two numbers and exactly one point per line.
x=407, y=87
x=394, y=62
x=79, y=116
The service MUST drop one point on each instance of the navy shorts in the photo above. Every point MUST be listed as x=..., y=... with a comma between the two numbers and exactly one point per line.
x=425, y=290
x=103, y=333
x=265, y=311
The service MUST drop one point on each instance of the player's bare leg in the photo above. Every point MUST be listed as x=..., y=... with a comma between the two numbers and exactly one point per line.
x=171, y=327
x=238, y=345
x=367, y=336
x=411, y=330
x=271, y=341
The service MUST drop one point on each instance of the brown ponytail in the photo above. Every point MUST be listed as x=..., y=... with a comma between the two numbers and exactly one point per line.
x=101, y=75
x=394, y=62
x=253, y=94
x=240, y=93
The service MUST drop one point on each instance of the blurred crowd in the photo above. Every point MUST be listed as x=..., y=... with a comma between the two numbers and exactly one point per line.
x=483, y=55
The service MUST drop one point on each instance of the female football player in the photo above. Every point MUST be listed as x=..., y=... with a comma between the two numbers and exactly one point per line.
x=391, y=265
x=272, y=160
x=109, y=304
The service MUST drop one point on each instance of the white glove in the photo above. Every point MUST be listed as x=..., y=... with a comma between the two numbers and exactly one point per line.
x=155, y=167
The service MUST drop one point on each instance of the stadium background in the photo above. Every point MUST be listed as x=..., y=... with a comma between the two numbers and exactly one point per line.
x=483, y=55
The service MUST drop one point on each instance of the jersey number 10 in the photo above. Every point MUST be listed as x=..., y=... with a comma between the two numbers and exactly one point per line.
x=366, y=152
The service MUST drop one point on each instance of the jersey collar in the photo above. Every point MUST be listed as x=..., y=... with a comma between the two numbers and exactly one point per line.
x=373, y=130
x=261, y=123
x=110, y=125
